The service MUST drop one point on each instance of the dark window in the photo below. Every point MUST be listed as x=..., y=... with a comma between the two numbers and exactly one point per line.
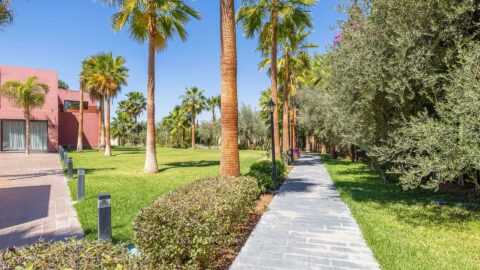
x=74, y=105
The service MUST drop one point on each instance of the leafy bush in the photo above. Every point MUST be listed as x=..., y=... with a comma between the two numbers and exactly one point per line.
x=71, y=254
x=186, y=228
x=262, y=171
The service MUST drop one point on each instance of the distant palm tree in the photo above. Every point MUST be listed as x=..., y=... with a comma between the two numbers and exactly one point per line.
x=157, y=22
x=28, y=96
x=87, y=68
x=109, y=75
x=121, y=126
x=213, y=103
x=230, y=161
x=6, y=14
x=135, y=104
x=194, y=102
x=175, y=122
x=268, y=19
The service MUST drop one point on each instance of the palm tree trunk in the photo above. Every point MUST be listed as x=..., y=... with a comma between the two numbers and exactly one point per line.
x=27, y=132
x=80, y=124
x=151, y=165
x=101, y=144
x=294, y=130
x=276, y=133
x=229, y=162
x=285, y=125
x=108, y=146
x=193, y=130
x=213, y=115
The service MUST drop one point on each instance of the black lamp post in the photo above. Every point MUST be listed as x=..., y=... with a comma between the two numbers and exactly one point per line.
x=272, y=105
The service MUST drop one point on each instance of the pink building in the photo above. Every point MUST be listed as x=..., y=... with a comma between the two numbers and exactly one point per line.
x=56, y=123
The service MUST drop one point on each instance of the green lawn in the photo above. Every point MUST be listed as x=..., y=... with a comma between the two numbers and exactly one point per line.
x=405, y=229
x=122, y=176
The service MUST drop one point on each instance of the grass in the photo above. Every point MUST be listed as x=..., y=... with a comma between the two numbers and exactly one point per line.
x=122, y=176
x=404, y=228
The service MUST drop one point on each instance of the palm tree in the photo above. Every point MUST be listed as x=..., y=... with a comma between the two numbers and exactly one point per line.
x=157, y=22
x=229, y=162
x=268, y=19
x=213, y=103
x=175, y=122
x=121, y=126
x=28, y=96
x=87, y=67
x=109, y=75
x=135, y=104
x=194, y=102
x=6, y=14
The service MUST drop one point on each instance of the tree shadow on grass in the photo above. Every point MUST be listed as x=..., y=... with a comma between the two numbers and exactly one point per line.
x=415, y=207
x=190, y=164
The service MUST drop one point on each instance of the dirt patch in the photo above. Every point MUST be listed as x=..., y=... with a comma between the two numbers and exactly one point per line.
x=242, y=232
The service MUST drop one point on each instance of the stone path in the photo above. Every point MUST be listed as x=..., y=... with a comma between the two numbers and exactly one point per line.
x=307, y=226
x=35, y=201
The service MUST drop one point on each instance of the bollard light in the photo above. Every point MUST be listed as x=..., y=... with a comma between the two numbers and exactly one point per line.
x=80, y=184
x=104, y=217
x=65, y=159
x=70, y=168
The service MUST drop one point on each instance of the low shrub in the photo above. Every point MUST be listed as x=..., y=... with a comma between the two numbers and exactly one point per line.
x=69, y=254
x=262, y=171
x=186, y=228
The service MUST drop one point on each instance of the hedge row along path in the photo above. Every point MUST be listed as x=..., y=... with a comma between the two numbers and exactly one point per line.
x=307, y=226
x=34, y=200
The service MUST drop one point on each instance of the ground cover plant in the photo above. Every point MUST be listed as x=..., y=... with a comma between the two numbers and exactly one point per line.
x=188, y=228
x=131, y=189
x=407, y=229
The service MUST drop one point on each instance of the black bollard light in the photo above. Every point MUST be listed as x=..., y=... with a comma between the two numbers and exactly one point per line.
x=104, y=217
x=80, y=184
x=65, y=160
x=70, y=168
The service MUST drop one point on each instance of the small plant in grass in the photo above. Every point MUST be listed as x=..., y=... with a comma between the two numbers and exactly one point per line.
x=186, y=228
x=262, y=171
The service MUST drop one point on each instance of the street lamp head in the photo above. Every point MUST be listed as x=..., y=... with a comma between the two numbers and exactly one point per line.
x=271, y=104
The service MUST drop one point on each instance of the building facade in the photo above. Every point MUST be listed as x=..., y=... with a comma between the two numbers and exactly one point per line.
x=54, y=124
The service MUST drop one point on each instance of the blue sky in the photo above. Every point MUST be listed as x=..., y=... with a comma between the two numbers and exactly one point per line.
x=59, y=34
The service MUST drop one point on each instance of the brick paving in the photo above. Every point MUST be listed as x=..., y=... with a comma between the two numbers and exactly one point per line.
x=307, y=226
x=35, y=201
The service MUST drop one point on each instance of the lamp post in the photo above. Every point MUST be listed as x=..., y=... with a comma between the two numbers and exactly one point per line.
x=272, y=105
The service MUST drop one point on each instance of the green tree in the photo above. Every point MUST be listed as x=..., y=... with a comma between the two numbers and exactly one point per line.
x=122, y=126
x=63, y=85
x=135, y=104
x=269, y=19
x=156, y=21
x=177, y=121
x=27, y=95
x=109, y=74
x=194, y=102
x=212, y=104
x=6, y=14
x=251, y=128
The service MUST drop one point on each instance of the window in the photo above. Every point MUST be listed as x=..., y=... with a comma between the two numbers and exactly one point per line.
x=74, y=105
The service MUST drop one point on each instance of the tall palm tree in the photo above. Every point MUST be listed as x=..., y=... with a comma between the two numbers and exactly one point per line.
x=109, y=75
x=6, y=14
x=229, y=162
x=268, y=19
x=194, y=102
x=213, y=103
x=87, y=68
x=156, y=21
x=28, y=96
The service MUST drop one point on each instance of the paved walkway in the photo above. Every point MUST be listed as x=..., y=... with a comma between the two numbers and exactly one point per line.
x=35, y=201
x=307, y=226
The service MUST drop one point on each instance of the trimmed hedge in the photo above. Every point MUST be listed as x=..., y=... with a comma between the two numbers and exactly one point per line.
x=71, y=254
x=262, y=171
x=186, y=228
